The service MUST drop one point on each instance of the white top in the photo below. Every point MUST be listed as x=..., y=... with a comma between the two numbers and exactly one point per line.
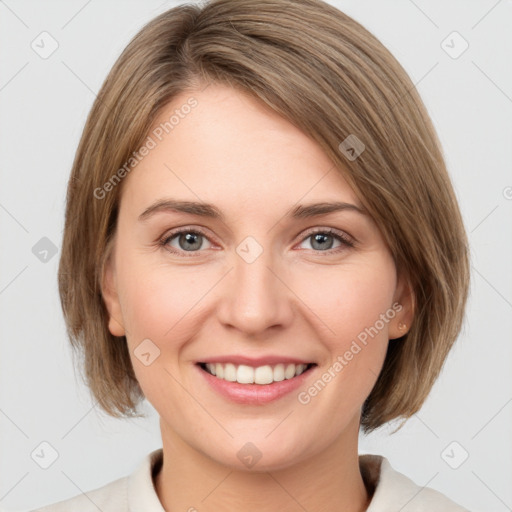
x=136, y=493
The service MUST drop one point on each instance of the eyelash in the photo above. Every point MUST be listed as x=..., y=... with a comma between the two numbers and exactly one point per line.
x=342, y=237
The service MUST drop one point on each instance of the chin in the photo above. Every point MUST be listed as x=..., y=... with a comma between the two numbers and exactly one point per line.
x=260, y=452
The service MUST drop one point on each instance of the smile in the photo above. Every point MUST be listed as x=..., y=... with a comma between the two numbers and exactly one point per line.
x=244, y=374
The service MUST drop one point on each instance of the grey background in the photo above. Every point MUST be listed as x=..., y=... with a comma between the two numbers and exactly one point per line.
x=44, y=103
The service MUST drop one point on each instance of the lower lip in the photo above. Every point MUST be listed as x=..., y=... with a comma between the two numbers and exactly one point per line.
x=255, y=394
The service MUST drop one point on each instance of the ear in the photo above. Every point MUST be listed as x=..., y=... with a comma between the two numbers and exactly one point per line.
x=404, y=295
x=111, y=297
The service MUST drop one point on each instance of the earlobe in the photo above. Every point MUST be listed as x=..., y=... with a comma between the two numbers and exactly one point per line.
x=115, y=328
x=111, y=299
x=402, y=322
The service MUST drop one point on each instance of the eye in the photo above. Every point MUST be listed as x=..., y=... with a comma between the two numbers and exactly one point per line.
x=184, y=240
x=188, y=240
x=322, y=240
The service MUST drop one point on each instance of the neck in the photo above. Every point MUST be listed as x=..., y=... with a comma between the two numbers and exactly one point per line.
x=329, y=481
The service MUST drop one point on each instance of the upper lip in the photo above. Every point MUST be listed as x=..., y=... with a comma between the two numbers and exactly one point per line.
x=271, y=360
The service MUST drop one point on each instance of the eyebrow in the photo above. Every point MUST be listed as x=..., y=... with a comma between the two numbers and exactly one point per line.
x=211, y=211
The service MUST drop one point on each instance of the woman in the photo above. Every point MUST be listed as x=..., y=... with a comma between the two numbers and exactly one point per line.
x=261, y=239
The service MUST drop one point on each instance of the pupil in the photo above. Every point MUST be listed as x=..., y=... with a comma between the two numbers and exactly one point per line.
x=321, y=237
x=192, y=240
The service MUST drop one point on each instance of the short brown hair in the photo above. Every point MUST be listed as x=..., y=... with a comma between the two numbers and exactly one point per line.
x=330, y=77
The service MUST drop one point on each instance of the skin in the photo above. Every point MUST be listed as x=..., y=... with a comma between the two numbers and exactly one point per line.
x=296, y=299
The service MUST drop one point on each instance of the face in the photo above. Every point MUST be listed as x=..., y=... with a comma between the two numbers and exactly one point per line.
x=290, y=306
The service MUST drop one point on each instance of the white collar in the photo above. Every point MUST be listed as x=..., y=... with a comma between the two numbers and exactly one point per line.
x=391, y=490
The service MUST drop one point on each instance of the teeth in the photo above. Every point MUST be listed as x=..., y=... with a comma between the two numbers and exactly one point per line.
x=278, y=372
x=230, y=372
x=244, y=374
x=264, y=375
x=300, y=369
x=290, y=371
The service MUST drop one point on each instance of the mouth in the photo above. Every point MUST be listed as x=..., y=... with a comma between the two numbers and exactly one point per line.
x=258, y=375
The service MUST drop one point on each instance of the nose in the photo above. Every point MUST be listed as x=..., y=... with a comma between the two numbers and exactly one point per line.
x=255, y=294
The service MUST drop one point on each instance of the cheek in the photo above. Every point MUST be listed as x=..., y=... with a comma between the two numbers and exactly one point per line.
x=159, y=304
x=350, y=299
x=164, y=304
x=353, y=303
x=353, y=307
x=157, y=301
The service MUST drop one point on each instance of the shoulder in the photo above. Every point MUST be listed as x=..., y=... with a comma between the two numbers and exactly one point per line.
x=133, y=492
x=395, y=491
x=112, y=496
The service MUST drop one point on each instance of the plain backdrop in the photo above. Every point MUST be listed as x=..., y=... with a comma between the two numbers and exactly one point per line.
x=459, y=443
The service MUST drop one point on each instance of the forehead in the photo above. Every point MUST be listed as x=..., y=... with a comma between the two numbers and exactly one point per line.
x=220, y=145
